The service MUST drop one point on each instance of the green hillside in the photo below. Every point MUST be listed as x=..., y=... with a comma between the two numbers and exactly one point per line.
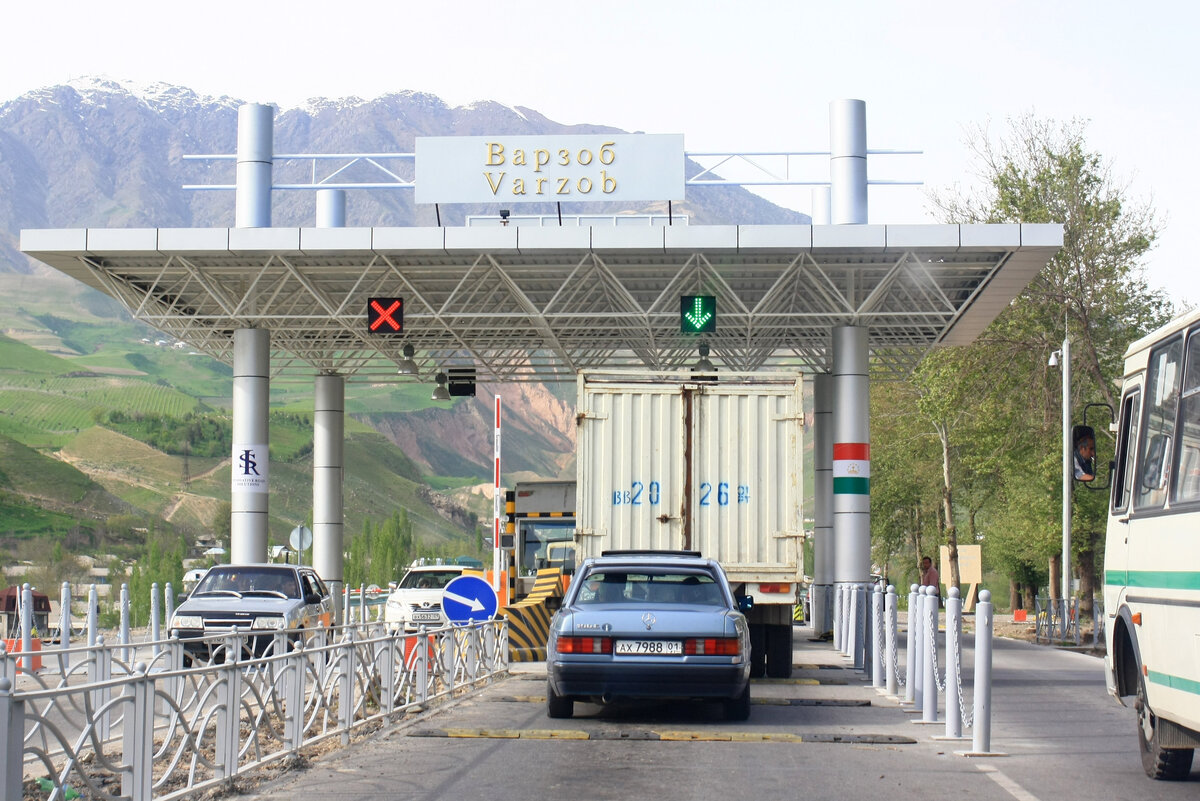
x=104, y=420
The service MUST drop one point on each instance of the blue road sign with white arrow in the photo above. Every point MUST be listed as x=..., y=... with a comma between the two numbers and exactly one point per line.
x=468, y=598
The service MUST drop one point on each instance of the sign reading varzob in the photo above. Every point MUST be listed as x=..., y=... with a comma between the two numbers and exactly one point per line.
x=547, y=169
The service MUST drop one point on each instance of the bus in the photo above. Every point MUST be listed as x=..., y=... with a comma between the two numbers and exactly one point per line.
x=1152, y=547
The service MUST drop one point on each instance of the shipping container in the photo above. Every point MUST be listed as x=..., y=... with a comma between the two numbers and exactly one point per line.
x=674, y=462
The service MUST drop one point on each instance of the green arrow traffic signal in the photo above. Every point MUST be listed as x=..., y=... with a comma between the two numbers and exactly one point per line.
x=697, y=314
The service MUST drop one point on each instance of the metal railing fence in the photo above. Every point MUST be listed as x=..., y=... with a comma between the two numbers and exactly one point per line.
x=111, y=720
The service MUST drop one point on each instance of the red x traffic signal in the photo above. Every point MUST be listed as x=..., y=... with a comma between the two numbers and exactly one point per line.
x=385, y=315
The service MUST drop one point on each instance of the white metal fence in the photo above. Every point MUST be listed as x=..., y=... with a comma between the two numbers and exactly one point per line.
x=110, y=720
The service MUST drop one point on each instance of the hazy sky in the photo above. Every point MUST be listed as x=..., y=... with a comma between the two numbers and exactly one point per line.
x=728, y=76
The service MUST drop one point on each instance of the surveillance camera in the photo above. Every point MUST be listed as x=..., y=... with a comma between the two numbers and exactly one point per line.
x=504, y=214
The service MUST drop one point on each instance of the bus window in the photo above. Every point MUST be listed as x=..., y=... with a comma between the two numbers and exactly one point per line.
x=1123, y=481
x=1187, y=473
x=1158, y=427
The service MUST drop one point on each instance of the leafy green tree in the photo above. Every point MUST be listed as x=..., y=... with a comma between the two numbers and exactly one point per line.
x=1094, y=291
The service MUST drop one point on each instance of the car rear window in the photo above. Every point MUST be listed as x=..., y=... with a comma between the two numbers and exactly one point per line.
x=657, y=587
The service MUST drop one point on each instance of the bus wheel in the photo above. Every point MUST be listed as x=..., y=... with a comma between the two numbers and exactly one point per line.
x=1158, y=762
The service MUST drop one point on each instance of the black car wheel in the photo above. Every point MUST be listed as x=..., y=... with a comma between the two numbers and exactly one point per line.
x=556, y=705
x=1158, y=762
x=738, y=708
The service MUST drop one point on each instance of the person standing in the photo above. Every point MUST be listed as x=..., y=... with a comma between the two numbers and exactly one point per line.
x=929, y=575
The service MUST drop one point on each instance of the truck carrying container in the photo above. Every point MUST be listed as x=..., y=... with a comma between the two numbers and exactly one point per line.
x=672, y=461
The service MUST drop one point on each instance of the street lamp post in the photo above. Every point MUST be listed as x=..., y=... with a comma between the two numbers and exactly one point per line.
x=1068, y=475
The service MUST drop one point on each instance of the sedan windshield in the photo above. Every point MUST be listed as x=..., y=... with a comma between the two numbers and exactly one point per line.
x=658, y=588
x=428, y=579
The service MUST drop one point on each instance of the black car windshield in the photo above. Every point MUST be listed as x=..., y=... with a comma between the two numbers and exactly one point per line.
x=249, y=580
x=665, y=587
x=428, y=579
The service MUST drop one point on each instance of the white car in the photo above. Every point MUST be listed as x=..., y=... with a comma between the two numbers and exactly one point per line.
x=417, y=599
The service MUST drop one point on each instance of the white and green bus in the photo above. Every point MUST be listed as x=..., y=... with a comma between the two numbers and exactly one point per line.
x=1152, y=550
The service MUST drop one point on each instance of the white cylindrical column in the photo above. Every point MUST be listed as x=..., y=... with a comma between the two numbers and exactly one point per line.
x=329, y=418
x=331, y=208
x=249, y=482
x=823, y=545
x=255, y=151
x=848, y=162
x=820, y=205
x=851, y=468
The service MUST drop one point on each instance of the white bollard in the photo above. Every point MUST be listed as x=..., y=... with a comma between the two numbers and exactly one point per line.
x=64, y=624
x=837, y=617
x=26, y=615
x=982, y=741
x=155, y=620
x=953, y=657
x=916, y=649
x=93, y=611
x=889, y=645
x=876, y=636
x=853, y=645
x=169, y=604
x=929, y=682
x=124, y=630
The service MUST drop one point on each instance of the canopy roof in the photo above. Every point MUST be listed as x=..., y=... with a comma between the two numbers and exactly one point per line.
x=541, y=303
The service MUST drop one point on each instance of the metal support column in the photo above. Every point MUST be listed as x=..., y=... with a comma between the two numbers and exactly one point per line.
x=851, y=463
x=329, y=418
x=823, y=546
x=255, y=152
x=848, y=162
x=249, y=487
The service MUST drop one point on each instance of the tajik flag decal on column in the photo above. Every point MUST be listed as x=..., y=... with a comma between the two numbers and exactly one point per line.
x=852, y=468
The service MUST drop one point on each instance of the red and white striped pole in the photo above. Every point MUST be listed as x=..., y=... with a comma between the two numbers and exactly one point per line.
x=497, y=506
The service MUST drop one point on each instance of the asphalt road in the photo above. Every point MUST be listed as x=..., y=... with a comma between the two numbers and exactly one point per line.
x=825, y=734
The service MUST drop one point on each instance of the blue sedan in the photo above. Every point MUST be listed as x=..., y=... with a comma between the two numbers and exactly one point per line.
x=649, y=624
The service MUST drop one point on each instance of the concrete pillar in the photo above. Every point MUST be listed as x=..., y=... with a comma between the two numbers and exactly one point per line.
x=329, y=411
x=848, y=162
x=249, y=487
x=331, y=208
x=851, y=459
x=823, y=544
x=255, y=151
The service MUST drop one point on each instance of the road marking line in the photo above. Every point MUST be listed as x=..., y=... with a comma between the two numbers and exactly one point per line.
x=1011, y=787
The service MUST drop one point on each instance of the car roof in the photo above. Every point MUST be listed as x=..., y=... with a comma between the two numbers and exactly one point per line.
x=649, y=559
x=430, y=568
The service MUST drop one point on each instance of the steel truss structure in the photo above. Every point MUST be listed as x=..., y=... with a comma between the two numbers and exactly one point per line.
x=540, y=304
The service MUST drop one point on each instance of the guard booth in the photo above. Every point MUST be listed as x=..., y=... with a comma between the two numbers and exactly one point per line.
x=10, y=606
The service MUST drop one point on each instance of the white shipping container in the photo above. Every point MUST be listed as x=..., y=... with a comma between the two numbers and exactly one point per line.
x=666, y=462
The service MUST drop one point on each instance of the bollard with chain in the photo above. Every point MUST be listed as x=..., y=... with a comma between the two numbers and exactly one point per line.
x=954, y=701
x=929, y=682
x=982, y=741
x=877, y=626
x=916, y=642
x=890, y=667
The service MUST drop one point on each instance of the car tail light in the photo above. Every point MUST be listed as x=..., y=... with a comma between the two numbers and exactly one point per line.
x=781, y=588
x=585, y=645
x=712, y=646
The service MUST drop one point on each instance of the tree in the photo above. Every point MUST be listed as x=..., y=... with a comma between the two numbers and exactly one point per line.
x=1093, y=290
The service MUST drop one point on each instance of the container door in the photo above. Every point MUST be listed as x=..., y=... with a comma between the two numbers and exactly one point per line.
x=630, y=456
x=747, y=479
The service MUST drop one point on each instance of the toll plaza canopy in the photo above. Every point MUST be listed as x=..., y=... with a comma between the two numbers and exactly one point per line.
x=526, y=303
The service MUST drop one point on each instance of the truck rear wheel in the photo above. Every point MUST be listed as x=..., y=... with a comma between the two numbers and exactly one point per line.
x=779, y=651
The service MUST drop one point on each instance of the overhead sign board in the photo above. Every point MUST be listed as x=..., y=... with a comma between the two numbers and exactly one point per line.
x=547, y=169
x=469, y=598
x=385, y=315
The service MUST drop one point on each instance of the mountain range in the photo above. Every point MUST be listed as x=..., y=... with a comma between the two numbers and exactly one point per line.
x=102, y=153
